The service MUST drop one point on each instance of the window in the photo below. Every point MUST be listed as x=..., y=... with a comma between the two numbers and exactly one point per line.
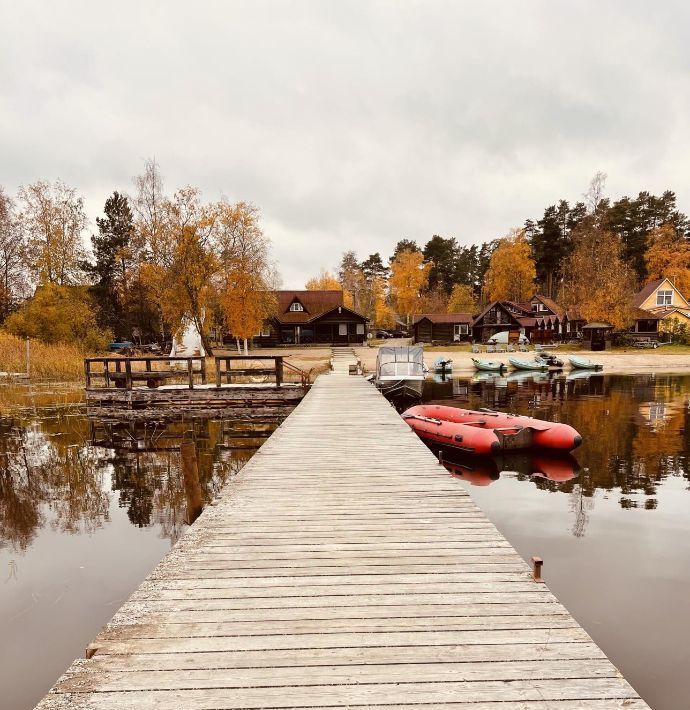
x=265, y=331
x=360, y=328
x=535, y=307
x=542, y=307
x=460, y=329
x=296, y=306
x=342, y=328
x=664, y=298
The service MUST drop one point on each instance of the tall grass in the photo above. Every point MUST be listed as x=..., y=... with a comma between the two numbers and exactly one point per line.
x=54, y=362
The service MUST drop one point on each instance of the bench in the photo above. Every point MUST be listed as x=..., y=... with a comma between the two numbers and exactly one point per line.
x=153, y=378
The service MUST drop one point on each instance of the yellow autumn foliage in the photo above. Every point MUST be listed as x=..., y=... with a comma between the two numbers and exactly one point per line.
x=511, y=272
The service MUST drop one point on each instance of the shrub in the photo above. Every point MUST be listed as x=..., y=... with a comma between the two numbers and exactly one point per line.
x=60, y=314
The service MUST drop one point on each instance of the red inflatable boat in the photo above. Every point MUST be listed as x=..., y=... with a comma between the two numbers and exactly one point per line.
x=486, y=432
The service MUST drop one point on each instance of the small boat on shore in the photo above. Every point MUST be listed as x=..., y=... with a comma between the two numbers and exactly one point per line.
x=487, y=432
x=583, y=363
x=532, y=365
x=443, y=365
x=488, y=365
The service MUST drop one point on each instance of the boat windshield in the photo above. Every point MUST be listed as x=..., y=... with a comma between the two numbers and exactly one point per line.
x=400, y=362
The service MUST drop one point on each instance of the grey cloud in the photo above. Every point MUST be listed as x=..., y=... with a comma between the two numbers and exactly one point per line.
x=350, y=124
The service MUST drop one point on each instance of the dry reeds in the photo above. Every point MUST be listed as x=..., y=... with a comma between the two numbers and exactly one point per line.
x=48, y=361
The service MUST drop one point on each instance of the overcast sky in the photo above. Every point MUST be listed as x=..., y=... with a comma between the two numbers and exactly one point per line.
x=350, y=124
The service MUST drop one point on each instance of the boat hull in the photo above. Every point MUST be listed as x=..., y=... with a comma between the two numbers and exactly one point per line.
x=528, y=366
x=488, y=366
x=584, y=364
x=488, y=433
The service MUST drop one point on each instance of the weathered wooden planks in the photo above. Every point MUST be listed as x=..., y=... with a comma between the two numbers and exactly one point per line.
x=343, y=568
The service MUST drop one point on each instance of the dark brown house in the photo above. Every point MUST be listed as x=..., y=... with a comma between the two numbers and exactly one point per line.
x=442, y=327
x=499, y=316
x=312, y=317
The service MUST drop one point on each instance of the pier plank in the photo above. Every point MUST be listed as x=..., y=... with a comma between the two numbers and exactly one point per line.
x=343, y=568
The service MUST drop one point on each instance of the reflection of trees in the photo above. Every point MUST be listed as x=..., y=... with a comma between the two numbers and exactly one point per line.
x=46, y=471
x=580, y=505
x=52, y=473
x=636, y=430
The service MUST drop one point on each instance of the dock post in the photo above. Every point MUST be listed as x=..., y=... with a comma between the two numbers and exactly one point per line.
x=128, y=374
x=537, y=563
x=190, y=372
x=218, y=382
x=190, y=475
x=87, y=371
x=279, y=370
x=203, y=369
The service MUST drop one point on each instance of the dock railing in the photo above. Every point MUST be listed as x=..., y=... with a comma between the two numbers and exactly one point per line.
x=123, y=372
x=226, y=372
x=128, y=372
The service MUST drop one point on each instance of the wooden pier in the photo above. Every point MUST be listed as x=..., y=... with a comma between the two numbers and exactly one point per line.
x=124, y=384
x=343, y=568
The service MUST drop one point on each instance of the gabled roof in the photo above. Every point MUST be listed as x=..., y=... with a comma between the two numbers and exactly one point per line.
x=641, y=314
x=490, y=306
x=549, y=303
x=315, y=303
x=450, y=318
x=641, y=296
x=664, y=312
x=526, y=308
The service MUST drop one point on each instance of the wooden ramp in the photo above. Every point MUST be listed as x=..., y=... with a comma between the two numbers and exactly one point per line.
x=343, y=568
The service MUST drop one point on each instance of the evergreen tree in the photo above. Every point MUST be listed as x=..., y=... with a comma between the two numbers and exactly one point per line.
x=551, y=242
x=442, y=254
x=374, y=267
x=633, y=219
x=404, y=245
x=112, y=252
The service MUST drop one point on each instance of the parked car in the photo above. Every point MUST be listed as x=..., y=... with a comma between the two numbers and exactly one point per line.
x=398, y=333
x=382, y=334
x=125, y=347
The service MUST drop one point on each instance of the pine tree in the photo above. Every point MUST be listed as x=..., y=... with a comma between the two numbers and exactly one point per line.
x=112, y=249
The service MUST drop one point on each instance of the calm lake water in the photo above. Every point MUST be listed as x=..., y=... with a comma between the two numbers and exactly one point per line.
x=88, y=509
x=612, y=523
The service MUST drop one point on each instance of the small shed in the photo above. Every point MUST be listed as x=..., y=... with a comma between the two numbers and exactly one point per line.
x=597, y=335
x=442, y=327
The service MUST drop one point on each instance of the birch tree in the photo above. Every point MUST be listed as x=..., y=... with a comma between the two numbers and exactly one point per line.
x=511, y=272
x=53, y=221
x=12, y=272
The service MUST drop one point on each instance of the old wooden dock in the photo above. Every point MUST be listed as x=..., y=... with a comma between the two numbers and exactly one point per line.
x=343, y=568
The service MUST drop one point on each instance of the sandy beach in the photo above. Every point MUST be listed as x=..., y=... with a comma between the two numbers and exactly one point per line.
x=665, y=359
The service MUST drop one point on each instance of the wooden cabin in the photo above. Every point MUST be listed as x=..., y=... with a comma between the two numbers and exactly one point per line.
x=442, y=328
x=312, y=318
x=499, y=316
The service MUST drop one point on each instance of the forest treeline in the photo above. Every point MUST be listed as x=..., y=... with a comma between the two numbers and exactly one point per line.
x=591, y=256
x=156, y=262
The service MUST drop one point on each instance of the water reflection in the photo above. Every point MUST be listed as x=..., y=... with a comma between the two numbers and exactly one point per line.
x=635, y=431
x=484, y=470
x=61, y=470
x=87, y=508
